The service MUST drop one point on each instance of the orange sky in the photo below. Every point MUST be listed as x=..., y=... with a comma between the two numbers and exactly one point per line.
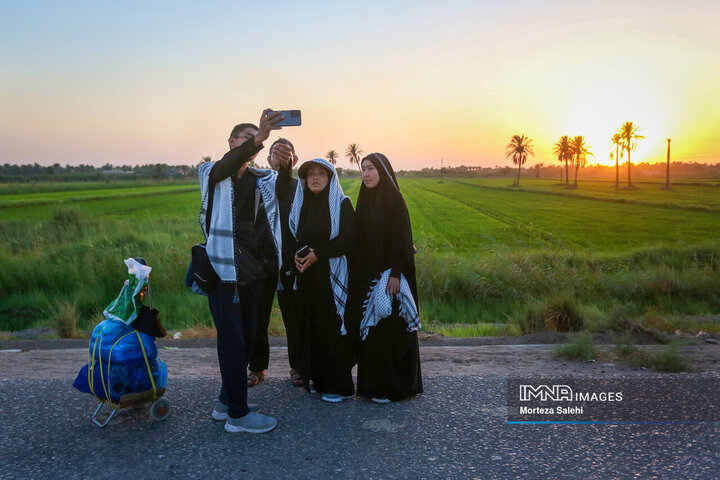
x=135, y=83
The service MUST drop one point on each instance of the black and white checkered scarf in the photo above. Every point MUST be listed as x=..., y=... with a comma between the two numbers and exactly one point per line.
x=220, y=246
x=378, y=305
x=338, y=265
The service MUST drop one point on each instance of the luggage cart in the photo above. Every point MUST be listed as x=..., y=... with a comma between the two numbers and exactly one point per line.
x=159, y=406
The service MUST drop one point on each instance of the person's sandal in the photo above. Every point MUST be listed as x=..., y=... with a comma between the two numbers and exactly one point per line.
x=255, y=377
x=296, y=378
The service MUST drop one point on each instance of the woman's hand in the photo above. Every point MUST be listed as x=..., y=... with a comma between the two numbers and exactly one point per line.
x=306, y=262
x=393, y=286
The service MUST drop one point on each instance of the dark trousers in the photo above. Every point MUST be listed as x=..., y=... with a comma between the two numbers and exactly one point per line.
x=260, y=357
x=235, y=325
x=287, y=299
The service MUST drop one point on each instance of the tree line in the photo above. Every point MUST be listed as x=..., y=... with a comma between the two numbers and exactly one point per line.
x=573, y=152
x=56, y=172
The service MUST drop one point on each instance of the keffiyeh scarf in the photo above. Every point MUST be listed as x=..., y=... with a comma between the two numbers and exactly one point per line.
x=338, y=265
x=220, y=247
x=378, y=305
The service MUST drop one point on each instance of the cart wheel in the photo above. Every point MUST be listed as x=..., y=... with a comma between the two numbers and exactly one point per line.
x=160, y=409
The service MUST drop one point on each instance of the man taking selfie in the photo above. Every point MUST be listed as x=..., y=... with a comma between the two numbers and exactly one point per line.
x=232, y=193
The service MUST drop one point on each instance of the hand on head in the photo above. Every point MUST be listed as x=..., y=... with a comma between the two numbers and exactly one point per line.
x=281, y=156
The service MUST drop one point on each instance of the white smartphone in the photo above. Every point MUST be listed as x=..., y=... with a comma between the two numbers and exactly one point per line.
x=291, y=118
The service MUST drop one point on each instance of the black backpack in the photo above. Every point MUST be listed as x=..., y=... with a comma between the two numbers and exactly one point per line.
x=201, y=271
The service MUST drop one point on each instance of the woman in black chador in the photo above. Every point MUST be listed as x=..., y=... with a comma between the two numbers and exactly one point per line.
x=384, y=288
x=321, y=219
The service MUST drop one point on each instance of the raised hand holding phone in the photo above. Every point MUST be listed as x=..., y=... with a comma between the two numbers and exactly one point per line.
x=268, y=121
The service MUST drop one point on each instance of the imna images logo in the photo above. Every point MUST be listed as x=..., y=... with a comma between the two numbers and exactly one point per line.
x=564, y=393
x=553, y=393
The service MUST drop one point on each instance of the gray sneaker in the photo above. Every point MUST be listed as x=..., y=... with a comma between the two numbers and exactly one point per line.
x=253, y=422
x=220, y=411
x=335, y=398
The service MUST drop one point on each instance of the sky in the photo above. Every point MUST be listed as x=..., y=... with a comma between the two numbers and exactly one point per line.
x=138, y=82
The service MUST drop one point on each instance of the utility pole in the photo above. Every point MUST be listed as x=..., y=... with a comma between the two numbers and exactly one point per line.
x=667, y=174
x=442, y=169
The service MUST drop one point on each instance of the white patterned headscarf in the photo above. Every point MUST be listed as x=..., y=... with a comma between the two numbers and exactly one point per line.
x=338, y=265
x=220, y=238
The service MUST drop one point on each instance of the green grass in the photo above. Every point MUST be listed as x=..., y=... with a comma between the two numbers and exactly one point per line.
x=96, y=202
x=666, y=360
x=87, y=195
x=487, y=254
x=7, y=189
x=580, y=347
x=577, y=224
x=689, y=195
x=472, y=329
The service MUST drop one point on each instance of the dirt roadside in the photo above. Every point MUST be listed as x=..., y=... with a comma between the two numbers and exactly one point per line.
x=53, y=359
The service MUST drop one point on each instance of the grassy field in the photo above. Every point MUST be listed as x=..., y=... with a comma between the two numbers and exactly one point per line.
x=488, y=254
x=701, y=194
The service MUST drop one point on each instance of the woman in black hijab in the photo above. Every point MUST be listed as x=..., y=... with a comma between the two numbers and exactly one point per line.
x=321, y=219
x=388, y=357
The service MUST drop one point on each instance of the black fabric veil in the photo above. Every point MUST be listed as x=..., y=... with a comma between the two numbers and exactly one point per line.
x=376, y=205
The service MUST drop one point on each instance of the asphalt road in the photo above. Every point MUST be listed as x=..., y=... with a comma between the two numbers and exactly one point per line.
x=456, y=429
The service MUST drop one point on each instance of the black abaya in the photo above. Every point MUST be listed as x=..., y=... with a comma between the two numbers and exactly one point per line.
x=389, y=358
x=324, y=350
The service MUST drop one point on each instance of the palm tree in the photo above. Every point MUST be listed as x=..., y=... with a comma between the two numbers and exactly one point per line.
x=580, y=152
x=519, y=148
x=353, y=153
x=563, y=152
x=561, y=171
x=617, y=141
x=667, y=176
x=332, y=156
x=628, y=133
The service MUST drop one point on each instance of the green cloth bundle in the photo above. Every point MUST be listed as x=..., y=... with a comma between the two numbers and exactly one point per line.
x=126, y=306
